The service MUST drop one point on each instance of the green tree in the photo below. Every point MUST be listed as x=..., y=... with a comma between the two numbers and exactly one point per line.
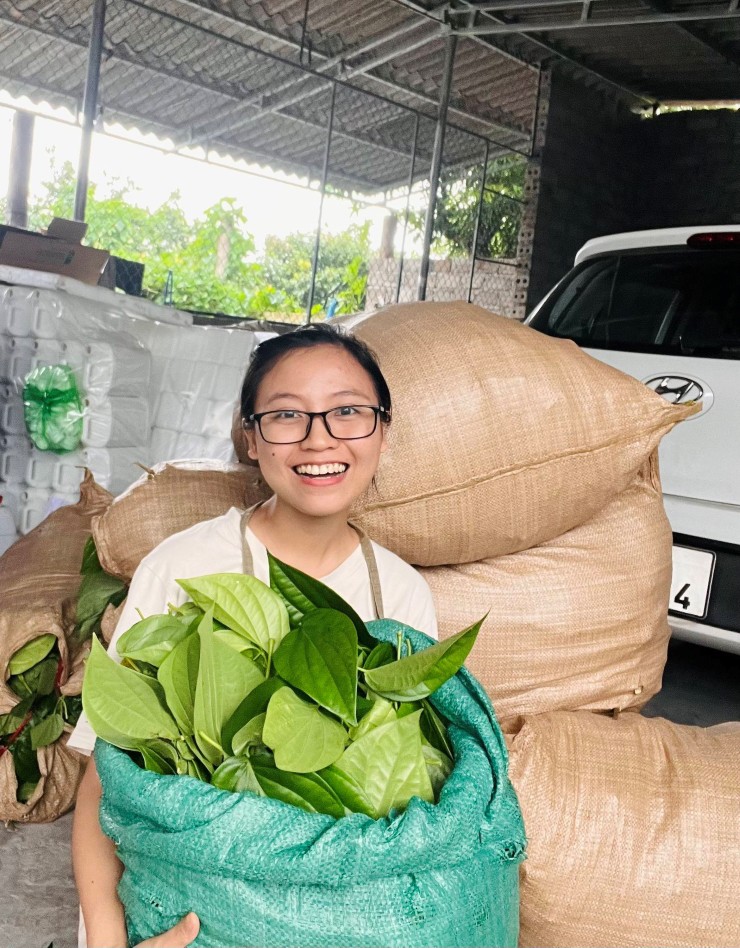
x=209, y=259
x=342, y=271
x=457, y=205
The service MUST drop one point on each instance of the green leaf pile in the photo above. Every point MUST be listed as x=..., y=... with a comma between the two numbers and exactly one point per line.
x=34, y=672
x=279, y=691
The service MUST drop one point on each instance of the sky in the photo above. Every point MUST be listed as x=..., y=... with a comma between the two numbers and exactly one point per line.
x=273, y=203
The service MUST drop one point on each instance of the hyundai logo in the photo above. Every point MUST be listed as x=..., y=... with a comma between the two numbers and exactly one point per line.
x=680, y=390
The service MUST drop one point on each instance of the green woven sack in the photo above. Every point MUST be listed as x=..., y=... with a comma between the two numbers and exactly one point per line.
x=52, y=408
x=261, y=873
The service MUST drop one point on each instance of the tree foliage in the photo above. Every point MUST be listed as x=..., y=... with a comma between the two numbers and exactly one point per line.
x=457, y=206
x=341, y=273
x=213, y=262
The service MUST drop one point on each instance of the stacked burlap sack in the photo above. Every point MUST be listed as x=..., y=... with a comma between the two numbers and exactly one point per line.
x=39, y=582
x=522, y=476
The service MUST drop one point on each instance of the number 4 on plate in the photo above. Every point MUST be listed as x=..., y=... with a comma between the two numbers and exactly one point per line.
x=681, y=598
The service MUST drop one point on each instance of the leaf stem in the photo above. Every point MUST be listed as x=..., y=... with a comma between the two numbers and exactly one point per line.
x=270, y=647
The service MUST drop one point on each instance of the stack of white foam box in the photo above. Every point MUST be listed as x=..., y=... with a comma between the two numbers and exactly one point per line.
x=197, y=375
x=154, y=388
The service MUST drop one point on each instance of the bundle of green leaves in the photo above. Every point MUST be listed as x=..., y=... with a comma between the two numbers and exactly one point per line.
x=42, y=712
x=280, y=691
x=35, y=672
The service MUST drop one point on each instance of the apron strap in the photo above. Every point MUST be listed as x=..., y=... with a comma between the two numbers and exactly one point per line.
x=365, y=544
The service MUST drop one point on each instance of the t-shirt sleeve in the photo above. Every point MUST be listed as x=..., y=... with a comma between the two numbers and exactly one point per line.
x=147, y=593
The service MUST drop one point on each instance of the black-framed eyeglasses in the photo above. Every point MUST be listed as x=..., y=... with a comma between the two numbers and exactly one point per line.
x=346, y=423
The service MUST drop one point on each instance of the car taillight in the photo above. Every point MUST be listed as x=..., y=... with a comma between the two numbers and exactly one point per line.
x=715, y=239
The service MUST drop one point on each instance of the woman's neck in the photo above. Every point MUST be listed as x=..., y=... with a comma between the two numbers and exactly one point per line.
x=314, y=545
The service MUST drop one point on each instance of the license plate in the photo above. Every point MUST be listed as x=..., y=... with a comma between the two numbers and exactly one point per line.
x=692, y=581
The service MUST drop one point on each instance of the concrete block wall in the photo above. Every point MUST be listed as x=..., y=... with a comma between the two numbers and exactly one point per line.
x=694, y=169
x=605, y=169
x=587, y=178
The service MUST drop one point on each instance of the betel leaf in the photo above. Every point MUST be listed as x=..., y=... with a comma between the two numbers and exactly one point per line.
x=123, y=706
x=39, y=680
x=243, y=604
x=319, y=657
x=90, y=560
x=249, y=736
x=382, y=654
x=178, y=675
x=347, y=790
x=434, y=729
x=302, y=593
x=152, y=639
x=307, y=791
x=31, y=653
x=388, y=763
x=13, y=719
x=159, y=757
x=47, y=731
x=97, y=590
x=439, y=767
x=381, y=712
x=301, y=735
x=25, y=762
x=236, y=774
x=224, y=676
x=419, y=675
x=255, y=703
x=238, y=642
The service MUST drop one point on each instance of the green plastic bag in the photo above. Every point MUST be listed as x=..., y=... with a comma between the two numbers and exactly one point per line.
x=52, y=407
x=260, y=872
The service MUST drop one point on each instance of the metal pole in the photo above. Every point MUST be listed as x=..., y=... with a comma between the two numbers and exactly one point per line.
x=324, y=174
x=477, y=223
x=439, y=143
x=408, y=201
x=21, y=149
x=89, y=107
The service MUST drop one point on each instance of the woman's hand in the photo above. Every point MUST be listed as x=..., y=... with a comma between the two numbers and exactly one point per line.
x=179, y=936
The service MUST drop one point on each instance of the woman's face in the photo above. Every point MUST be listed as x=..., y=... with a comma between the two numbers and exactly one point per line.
x=317, y=379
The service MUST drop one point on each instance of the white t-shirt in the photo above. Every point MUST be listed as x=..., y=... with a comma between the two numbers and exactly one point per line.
x=215, y=546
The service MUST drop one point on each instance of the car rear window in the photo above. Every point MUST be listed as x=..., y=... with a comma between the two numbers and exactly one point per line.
x=680, y=302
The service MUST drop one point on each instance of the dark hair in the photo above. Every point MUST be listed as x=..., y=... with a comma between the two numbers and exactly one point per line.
x=269, y=352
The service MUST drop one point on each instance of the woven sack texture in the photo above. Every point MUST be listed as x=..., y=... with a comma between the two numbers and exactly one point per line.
x=39, y=580
x=169, y=498
x=634, y=836
x=578, y=622
x=261, y=873
x=502, y=437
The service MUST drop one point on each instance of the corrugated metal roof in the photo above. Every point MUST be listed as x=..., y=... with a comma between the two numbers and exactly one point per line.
x=252, y=78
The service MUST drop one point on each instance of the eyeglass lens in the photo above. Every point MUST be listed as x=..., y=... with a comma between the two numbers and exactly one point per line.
x=347, y=422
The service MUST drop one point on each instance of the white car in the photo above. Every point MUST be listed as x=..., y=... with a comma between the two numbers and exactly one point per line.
x=664, y=307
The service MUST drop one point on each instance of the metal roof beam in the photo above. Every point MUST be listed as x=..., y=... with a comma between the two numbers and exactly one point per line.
x=551, y=48
x=211, y=87
x=549, y=26
x=261, y=30
x=284, y=103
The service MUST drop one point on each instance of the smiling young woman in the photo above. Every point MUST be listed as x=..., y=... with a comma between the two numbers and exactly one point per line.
x=315, y=409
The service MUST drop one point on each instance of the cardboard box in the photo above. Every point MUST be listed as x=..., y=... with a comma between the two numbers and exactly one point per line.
x=57, y=251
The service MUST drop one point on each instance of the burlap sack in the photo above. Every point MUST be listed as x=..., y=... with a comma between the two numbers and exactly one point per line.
x=39, y=580
x=55, y=793
x=171, y=497
x=634, y=832
x=502, y=437
x=578, y=622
